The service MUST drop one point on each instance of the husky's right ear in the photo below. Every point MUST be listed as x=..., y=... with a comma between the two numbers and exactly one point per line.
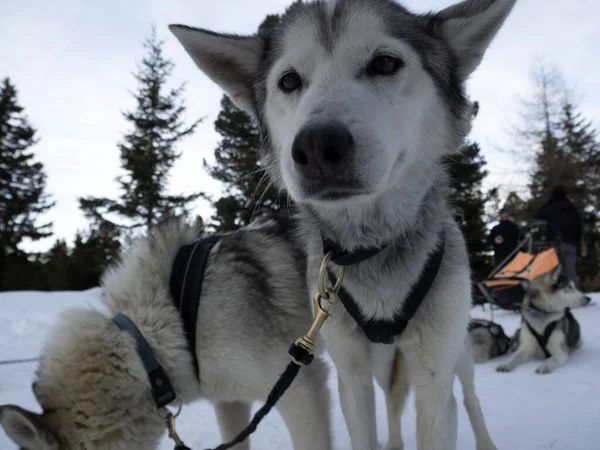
x=26, y=429
x=469, y=27
x=228, y=60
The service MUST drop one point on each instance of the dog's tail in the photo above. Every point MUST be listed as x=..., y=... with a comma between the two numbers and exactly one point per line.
x=396, y=398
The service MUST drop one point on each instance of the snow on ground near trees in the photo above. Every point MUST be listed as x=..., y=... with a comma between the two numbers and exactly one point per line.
x=524, y=410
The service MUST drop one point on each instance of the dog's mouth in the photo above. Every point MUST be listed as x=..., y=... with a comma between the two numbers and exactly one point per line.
x=328, y=190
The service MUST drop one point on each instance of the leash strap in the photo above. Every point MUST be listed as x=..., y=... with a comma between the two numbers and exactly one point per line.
x=284, y=382
x=162, y=391
x=385, y=331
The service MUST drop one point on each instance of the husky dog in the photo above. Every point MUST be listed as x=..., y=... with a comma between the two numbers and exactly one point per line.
x=487, y=340
x=92, y=386
x=548, y=331
x=359, y=102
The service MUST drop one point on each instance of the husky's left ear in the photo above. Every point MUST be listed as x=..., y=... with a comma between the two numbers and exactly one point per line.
x=228, y=60
x=25, y=428
x=556, y=273
x=469, y=27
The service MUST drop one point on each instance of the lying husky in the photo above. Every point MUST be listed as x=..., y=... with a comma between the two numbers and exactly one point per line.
x=92, y=386
x=487, y=340
x=359, y=102
x=548, y=331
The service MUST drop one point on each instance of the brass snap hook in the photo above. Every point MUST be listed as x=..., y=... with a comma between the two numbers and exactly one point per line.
x=323, y=291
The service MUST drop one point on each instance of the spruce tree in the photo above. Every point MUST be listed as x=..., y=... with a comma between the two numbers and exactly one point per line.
x=467, y=172
x=22, y=183
x=92, y=253
x=148, y=151
x=248, y=192
x=578, y=140
x=57, y=267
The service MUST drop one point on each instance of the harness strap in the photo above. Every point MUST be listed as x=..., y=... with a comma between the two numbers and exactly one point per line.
x=495, y=330
x=542, y=340
x=187, y=275
x=384, y=331
x=162, y=391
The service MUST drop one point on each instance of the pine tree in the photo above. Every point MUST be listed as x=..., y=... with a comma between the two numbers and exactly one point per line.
x=148, y=152
x=92, y=253
x=578, y=140
x=467, y=172
x=466, y=194
x=517, y=208
x=22, y=183
x=248, y=192
x=57, y=267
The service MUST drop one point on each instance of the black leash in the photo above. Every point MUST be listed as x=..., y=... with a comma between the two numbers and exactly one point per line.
x=163, y=393
x=284, y=382
x=18, y=361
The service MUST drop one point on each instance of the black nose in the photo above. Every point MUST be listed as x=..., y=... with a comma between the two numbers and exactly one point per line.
x=322, y=150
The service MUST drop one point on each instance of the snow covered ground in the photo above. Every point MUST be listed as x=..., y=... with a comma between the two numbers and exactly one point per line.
x=524, y=411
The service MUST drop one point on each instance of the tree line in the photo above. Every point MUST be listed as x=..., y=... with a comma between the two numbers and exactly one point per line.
x=559, y=144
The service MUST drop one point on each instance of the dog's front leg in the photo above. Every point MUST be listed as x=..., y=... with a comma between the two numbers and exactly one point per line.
x=350, y=353
x=521, y=356
x=559, y=355
x=433, y=379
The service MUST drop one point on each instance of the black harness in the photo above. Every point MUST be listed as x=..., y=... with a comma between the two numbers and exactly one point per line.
x=185, y=282
x=500, y=338
x=542, y=339
x=385, y=331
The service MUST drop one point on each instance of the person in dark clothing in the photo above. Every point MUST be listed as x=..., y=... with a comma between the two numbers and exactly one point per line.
x=560, y=212
x=504, y=237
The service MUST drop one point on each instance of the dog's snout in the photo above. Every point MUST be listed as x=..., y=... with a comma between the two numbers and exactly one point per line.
x=322, y=150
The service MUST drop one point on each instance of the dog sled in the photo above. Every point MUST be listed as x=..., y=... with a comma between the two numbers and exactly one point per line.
x=535, y=255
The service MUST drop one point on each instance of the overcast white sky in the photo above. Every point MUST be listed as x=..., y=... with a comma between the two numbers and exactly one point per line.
x=72, y=62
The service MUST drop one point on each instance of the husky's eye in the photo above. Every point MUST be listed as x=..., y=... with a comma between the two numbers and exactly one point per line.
x=290, y=82
x=385, y=65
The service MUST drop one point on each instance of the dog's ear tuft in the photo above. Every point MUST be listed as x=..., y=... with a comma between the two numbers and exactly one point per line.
x=469, y=27
x=230, y=61
x=555, y=274
x=25, y=428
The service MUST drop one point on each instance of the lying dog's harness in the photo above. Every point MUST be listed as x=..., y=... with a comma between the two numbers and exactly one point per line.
x=385, y=331
x=500, y=338
x=542, y=339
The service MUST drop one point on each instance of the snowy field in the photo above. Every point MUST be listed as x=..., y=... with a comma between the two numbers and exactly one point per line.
x=524, y=411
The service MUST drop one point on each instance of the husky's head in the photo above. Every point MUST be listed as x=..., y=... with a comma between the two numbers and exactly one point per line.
x=92, y=393
x=553, y=292
x=355, y=98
